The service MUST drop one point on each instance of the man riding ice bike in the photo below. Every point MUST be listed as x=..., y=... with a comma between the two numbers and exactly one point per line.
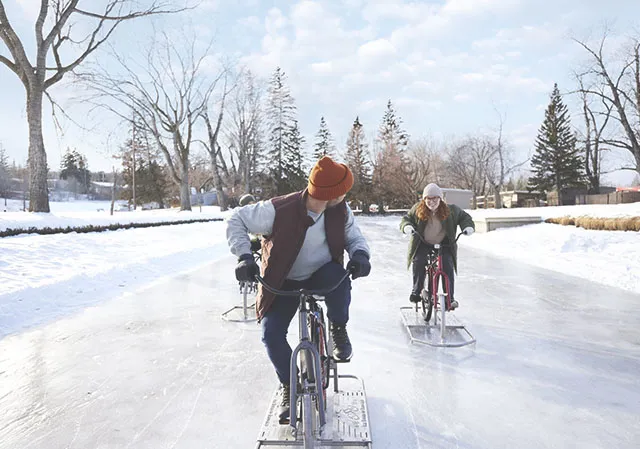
x=305, y=235
x=436, y=222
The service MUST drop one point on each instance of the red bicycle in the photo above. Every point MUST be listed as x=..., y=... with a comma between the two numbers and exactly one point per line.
x=435, y=272
x=421, y=330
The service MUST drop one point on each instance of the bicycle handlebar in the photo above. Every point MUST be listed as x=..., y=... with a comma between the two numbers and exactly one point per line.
x=301, y=291
x=413, y=231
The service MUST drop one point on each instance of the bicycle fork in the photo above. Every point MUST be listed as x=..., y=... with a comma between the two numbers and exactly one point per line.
x=306, y=345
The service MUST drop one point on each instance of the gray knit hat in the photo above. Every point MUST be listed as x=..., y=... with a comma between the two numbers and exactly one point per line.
x=432, y=190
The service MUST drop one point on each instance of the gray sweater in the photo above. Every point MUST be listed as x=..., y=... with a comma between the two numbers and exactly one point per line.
x=258, y=219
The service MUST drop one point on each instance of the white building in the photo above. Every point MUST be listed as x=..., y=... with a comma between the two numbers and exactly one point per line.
x=459, y=197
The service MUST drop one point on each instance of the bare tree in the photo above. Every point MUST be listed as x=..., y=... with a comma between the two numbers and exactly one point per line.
x=595, y=123
x=245, y=132
x=499, y=164
x=213, y=147
x=168, y=95
x=620, y=92
x=467, y=163
x=67, y=43
x=425, y=161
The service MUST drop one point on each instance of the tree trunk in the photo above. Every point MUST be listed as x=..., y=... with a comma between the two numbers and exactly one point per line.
x=113, y=191
x=38, y=189
x=497, y=202
x=247, y=184
x=185, y=193
x=217, y=182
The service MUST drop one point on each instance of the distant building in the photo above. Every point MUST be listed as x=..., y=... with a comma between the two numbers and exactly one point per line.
x=511, y=198
x=459, y=197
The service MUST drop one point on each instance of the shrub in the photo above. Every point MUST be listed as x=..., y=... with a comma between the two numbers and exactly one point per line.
x=599, y=224
x=10, y=232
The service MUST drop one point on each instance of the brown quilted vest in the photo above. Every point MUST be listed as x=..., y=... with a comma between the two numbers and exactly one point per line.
x=280, y=249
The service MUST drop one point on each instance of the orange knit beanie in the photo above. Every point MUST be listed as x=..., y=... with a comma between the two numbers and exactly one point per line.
x=329, y=180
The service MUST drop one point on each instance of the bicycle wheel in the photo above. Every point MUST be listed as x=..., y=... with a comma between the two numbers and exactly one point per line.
x=319, y=340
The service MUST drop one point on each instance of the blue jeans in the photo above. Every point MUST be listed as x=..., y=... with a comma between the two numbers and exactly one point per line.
x=275, y=322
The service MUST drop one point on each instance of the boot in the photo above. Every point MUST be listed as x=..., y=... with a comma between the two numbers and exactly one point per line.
x=454, y=304
x=342, y=350
x=285, y=404
x=414, y=298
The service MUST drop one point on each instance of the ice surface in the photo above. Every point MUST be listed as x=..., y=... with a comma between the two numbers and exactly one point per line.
x=555, y=365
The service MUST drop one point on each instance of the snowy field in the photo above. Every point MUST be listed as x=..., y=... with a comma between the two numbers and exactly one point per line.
x=115, y=340
x=82, y=213
x=589, y=210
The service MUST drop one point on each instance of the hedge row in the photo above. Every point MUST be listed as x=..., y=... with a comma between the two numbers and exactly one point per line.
x=599, y=224
x=98, y=228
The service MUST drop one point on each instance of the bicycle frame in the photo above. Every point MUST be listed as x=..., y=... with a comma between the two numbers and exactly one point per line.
x=435, y=271
x=310, y=356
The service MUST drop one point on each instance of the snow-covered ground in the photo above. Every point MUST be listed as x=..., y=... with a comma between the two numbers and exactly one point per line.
x=48, y=276
x=608, y=257
x=82, y=213
x=590, y=210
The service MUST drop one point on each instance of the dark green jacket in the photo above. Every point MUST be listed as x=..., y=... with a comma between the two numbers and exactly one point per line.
x=457, y=217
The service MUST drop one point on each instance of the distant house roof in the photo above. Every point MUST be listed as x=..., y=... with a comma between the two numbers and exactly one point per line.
x=446, y=189
x=102, y=184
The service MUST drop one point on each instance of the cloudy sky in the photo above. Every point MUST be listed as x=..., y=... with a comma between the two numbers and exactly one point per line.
x=447, y=65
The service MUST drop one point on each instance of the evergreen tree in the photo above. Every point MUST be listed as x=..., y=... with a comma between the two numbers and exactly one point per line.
x=557, y=163
x=151, y=180
x=5, y=173
x=358, y=161
x=324, y=142
x=280, y=115
x=294, y=161
x=74, y=168
x=392, y=184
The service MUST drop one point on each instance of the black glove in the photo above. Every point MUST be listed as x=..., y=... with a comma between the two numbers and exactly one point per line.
x=359, y=265
x=247, y=268
x=256, y=245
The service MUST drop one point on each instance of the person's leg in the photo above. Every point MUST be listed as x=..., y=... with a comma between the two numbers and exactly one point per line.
x=447, y=265
x=419, y=264
x=275, y=324
x=337, y=301
x=337, y=305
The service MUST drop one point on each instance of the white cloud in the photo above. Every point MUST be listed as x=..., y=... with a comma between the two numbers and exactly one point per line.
x=374, y=51
x=322, y=68
x=476, y=7
x=384, y=10
x=500, y=77
x=461, y=98
x=274, y=21
x=420, y=86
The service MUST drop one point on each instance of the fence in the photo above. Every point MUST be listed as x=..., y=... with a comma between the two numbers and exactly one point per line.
x=620, y=197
